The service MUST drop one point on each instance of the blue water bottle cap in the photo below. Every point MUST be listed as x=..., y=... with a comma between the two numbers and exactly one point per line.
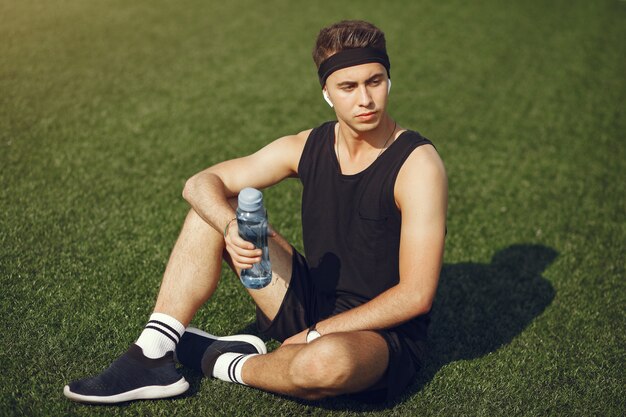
x=250, y=199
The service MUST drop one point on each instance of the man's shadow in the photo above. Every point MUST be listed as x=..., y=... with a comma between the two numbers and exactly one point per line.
x=478, y=309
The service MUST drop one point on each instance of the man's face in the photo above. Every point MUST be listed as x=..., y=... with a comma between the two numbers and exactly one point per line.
x=359, y=95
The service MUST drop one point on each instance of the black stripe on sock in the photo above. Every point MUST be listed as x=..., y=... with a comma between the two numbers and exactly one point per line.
x=232, y=366
x=160, y=323
x=158, y=329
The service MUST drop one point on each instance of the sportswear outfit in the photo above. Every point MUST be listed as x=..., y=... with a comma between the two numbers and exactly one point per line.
x=351, y=233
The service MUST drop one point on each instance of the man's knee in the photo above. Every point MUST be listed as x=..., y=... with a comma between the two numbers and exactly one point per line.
x=322, y=369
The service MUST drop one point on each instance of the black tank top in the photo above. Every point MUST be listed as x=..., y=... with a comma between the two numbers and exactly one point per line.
x=350, y=223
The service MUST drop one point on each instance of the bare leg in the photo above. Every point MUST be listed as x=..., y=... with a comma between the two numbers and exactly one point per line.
x=190, y=279
x=194, y=268
x=335, y=364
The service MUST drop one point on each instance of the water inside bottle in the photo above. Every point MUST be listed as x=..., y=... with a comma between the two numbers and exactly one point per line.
x=260, y=274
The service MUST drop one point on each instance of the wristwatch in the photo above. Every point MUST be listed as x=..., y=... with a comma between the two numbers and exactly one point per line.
x=312, y=334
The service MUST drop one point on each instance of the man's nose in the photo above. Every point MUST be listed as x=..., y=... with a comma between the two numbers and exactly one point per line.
x=365, y=98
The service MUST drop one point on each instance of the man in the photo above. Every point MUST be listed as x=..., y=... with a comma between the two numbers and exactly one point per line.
x=353, y=314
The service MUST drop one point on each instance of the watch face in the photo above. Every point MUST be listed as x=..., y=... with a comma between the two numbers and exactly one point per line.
x=312, y=335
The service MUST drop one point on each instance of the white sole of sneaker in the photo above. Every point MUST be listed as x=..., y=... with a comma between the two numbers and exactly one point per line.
x=150, y=392
x=253, y=340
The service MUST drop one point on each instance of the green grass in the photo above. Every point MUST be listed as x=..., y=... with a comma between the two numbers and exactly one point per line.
x=107, y=107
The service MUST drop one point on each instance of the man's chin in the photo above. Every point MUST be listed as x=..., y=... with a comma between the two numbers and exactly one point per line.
x=367, y=125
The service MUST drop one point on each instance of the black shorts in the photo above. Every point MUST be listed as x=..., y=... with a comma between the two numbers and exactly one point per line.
x=299, y=310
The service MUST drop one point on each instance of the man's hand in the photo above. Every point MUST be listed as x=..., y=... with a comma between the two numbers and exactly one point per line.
x=298, y=338
x=242, y=253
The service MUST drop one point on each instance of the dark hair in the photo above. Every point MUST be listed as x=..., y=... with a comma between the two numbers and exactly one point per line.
x=347, y=34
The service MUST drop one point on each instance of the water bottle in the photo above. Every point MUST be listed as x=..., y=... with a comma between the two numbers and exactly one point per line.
x=252, y=223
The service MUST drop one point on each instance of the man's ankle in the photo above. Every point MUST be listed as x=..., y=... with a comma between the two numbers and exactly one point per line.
x=160, y=335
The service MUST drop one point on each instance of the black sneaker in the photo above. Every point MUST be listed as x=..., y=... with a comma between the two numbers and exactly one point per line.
x=133, y=376
x=199, y=350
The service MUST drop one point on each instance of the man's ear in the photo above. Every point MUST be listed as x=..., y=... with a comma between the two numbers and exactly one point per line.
x=388, y=85
x=325, y=94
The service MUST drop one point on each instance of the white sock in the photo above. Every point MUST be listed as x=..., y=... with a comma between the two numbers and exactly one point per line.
x=160, y=335
x=229, y=365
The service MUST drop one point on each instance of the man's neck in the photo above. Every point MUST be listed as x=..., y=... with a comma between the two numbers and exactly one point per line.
x=360, y=144
x=360, y=149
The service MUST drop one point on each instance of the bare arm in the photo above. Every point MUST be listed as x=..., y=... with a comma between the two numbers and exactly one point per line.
x=209, y=190
x=421, y=194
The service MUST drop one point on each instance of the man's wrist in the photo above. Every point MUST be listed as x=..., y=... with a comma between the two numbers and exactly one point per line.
x=228, y=225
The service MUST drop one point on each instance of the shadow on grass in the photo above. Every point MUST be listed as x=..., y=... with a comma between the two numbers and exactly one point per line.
x=478, y=309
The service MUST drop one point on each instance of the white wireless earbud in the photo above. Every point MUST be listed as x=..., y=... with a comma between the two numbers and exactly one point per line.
x=325, y=94
x=388, y=85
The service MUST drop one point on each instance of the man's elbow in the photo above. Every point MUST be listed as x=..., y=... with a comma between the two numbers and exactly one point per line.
x=421, y=305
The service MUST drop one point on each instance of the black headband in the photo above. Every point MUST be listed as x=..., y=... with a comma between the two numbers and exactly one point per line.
x=350, y=58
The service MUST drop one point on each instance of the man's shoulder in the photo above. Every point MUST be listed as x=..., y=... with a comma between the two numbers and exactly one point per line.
x=304, y=135
x=423, y=160
x=323, y=127
x=294, y=139
x=422, y=168
x=301, y=138
x=415, y=136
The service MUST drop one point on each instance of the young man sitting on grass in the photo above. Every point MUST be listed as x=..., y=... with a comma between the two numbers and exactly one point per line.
x=352, y=314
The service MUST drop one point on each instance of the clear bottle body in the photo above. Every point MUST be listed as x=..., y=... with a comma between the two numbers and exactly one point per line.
x=253, y=228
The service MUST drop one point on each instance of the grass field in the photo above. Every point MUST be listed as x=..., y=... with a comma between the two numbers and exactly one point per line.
x=106, y=108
